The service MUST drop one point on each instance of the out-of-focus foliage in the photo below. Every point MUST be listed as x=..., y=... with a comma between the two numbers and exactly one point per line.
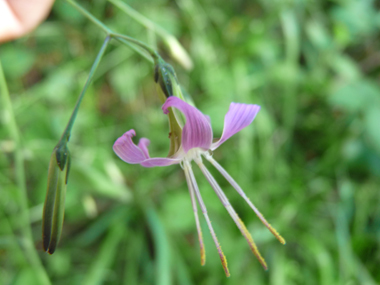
x=310, y=161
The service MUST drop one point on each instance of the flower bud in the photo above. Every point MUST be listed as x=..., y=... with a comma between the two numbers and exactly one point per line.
x=165, y=77
x=54, y=207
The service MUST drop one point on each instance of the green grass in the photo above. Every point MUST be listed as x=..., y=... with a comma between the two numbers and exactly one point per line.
x=310, y=161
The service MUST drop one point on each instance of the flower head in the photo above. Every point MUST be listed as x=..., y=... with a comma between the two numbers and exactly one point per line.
x=197, y=142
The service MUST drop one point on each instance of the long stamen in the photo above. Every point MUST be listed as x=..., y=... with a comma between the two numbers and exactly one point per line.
x=241, y=192
x=193, y=187
x=219, y=192
x=195, y=210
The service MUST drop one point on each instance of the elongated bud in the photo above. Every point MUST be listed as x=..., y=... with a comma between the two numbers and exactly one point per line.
x=167, y=85
x=165, y=77
x=54, y=207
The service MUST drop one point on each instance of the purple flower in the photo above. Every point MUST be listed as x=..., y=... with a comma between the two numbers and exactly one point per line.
x=197, y=141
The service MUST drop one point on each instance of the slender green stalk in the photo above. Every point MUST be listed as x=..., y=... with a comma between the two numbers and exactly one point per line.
x=59, y=166
x=143, y=54
x=121, y=38
x=53, y=214
x=151, y=51
x=89, y=16
x=66, y=134
x=139, y=18
x=28, y=244
x=176, y=49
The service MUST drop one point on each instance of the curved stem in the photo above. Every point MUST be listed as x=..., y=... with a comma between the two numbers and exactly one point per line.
x=137, y=16
x=139, y=51
x=119, y=37
x=89, y=16
x=66, y=133
x=151, y=51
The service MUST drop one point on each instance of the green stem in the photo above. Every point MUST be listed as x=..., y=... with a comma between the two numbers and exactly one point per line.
x=139, y=18
x=28, y=244
x=66, y=134
x=176, y=49
x=143, y=54
x=121, y=38
x=151, y=51
x=89, y=16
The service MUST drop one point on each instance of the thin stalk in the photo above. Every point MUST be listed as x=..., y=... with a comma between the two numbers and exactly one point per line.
x=139, y=18
x=176, y=49
x=195, y=210
x=66, y=133
x=121, y=38
x=140, y=52
x=241, y=193
x=11, y=124
x=89, y=16
x=239, y=223
x=151, y=51
x=193, y=186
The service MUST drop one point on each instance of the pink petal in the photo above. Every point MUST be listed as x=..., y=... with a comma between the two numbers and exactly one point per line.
x=143, y=145
x=133, y=154
x=237, y=118
x=197, y=131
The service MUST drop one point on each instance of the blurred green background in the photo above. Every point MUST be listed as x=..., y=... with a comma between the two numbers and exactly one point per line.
x=310, y=161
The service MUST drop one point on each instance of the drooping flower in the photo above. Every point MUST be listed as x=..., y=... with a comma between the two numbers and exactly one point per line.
x=197, y=141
